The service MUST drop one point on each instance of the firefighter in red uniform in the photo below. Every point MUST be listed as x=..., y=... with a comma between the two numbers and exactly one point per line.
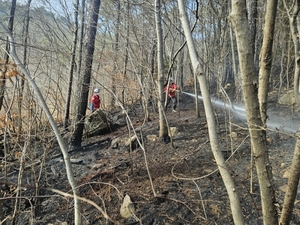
x=171, y=89
x=95, y=100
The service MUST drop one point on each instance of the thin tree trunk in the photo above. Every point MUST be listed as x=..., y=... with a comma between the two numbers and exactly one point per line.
x=21, y=92
x=162, y=122
x=82, y=22
x=212, y=129
x=126, y=49
x=86, y=78
x=252, y=18
x=6, y=57
x=293, y=14
x=258, y=135
x=113, y=80
x=70, y=175
x=3, y=78
x=292, y=187
x=266, y=58
x=72, y=65
x=281, y=70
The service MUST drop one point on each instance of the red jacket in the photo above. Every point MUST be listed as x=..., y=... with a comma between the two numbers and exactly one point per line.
x=95, y=102
x=172, y=90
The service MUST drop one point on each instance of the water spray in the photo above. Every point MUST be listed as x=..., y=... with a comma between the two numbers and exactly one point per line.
x=240, y=113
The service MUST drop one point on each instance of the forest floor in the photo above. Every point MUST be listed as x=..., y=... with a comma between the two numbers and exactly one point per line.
x=187, y=184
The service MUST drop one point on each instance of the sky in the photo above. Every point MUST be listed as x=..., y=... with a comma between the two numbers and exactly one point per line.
x=51, y=5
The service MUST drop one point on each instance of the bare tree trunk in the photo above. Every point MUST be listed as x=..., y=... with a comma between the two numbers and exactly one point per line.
x=293, y=14
x=3, y=78
x=293, y=182
x=252, y=18
x=266, y=58
x=20, y=100
x=21, y=91
x=126, y=48
x=258, y=135
x=292, y=187
x=79, y=61
x=72, y=65
x=281, y=69
x=162, y=122
x=86, y=78
x=6, y=57
x=64, y=150
x=113, y=80
x=224, y=171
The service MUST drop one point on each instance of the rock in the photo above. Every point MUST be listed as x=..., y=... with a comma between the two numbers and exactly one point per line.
x=127, y=207
x=287, y=98
x=76, y=161
x=96, y=123
x=118, y=119
x=116, y=142
x=125, y=142
x=234, y=135
x=286, y=173
x=174, y=131
x=130, y=141
x=151, y=137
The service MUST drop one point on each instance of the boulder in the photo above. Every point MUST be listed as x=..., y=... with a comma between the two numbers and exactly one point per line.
x=287, y=98
x=127, y=208
x=174, y=131
x=96, y=123
x=125, y=143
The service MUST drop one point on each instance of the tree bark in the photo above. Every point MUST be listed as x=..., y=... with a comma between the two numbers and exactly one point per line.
x=266, y=58
x=291, y=192
x=162, y=123
x=252, y=18
x=3, y=78
x=82, y=22
x=293, y=14
x=21, y=91
x=258, y=135
x=6, y=57
x=86, y=78
x=116, y=53
x=72, y=66
x=212, y=129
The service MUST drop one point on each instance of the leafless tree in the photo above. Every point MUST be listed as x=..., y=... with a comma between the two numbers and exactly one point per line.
x=63, y=147
x=224, y=171
x=72, y=65
x=293, y=14
x=250, y=90
x=86, y=77
x=266, y=57
x=3, y=73
x=162, y=123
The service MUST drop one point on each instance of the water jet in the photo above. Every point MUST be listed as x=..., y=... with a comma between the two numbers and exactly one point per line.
x=274, y=123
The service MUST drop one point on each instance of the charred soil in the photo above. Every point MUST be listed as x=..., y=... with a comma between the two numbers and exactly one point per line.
x=187, y=187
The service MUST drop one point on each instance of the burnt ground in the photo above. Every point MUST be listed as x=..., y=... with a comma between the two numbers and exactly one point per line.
x=189, y=189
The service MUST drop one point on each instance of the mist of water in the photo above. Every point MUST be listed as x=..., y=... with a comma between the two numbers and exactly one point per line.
x=274, y=122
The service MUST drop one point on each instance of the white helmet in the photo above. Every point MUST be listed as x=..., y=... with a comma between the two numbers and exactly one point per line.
x=171, y=79
x=96, y=90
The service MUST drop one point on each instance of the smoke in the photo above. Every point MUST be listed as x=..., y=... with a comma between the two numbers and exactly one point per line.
x=274, y=123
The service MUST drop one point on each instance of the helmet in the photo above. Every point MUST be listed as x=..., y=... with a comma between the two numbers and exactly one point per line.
x=96, y=90
x=171, y=80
